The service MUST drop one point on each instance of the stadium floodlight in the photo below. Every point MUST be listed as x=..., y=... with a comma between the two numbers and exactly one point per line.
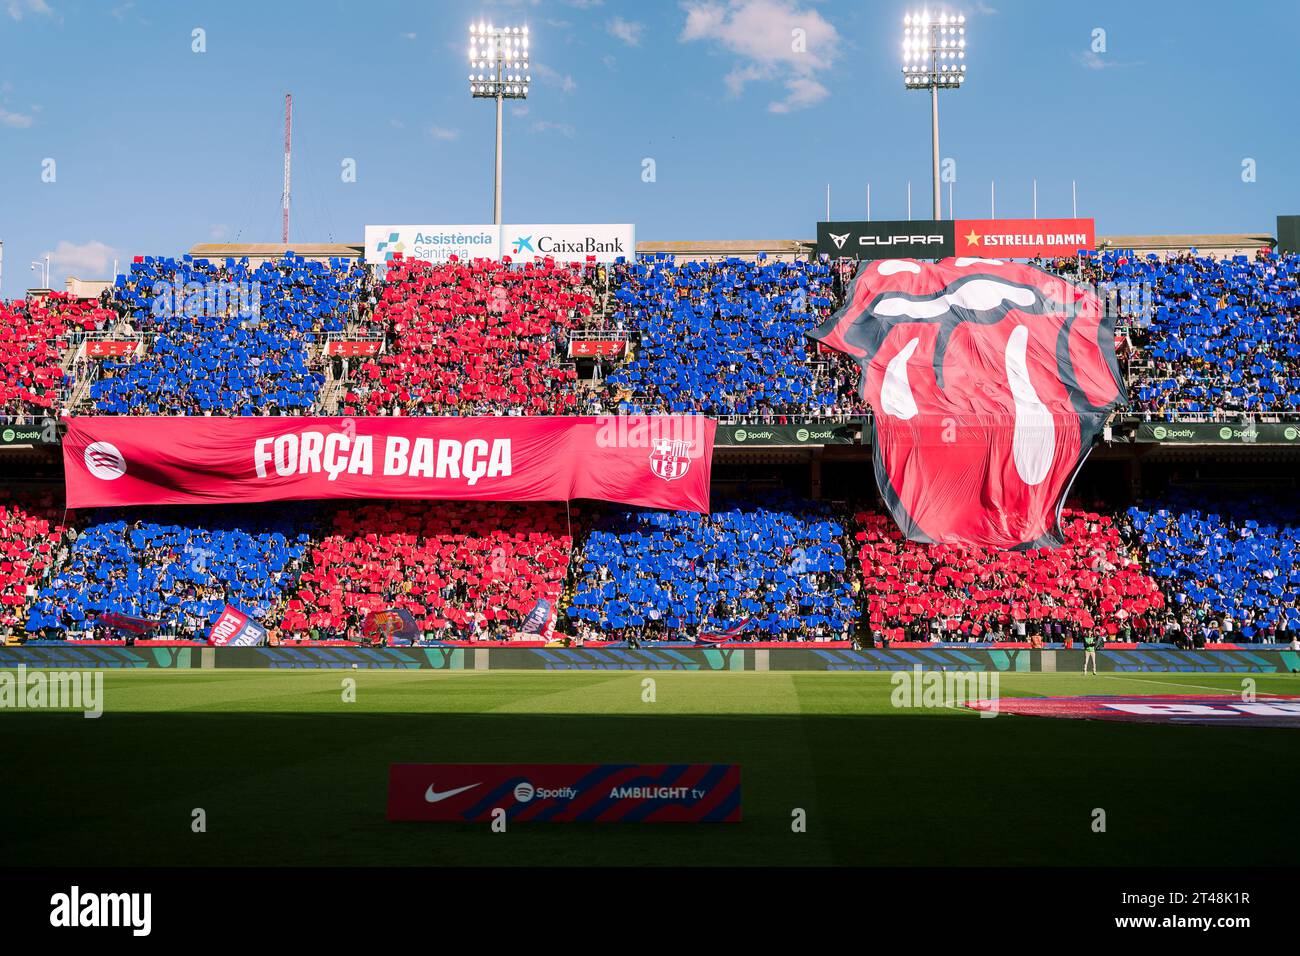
x=934, y=54
x=499, y=57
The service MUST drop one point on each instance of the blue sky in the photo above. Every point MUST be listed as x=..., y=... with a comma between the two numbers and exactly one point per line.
x=157, y=147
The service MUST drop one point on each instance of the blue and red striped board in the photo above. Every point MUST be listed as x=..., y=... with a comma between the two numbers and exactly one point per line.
x=565, y=793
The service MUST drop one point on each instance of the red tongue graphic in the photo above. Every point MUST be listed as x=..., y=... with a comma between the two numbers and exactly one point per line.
x=987, y=391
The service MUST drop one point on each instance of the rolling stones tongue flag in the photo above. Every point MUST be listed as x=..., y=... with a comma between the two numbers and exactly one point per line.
x=989, y=381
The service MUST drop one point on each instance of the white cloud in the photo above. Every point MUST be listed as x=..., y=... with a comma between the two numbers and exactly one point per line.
x=20, y=8
x=15, y=120
x=519, y=110
x=801, y=92
x=409, y=36
x=554, y=78
x=545, y=126
x=1095, y=61
x=443, y=133
x=774, y=40
x=629, y=31
x=87, y=260
x=220, y=232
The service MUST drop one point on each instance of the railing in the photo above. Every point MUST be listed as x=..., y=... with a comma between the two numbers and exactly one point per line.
x=1213, y=418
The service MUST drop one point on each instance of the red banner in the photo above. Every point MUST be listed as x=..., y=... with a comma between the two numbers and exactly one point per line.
x=350, y=347
x=565, y=793
x=585, y=348
x=1022, y=238
x=102, y=348
x=653, y=461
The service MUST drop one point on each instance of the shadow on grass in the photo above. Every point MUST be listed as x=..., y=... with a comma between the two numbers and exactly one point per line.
x=921, y=789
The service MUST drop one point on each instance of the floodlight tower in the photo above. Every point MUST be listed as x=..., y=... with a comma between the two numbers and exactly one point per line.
x=934, y=47
x=500, y=57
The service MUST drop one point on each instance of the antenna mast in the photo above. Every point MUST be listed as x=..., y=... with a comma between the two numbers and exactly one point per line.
x=288, y=137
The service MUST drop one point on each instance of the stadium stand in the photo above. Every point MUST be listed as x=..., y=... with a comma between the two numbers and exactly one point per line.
x=34, y=333
x=463, y=569
x=1229, y=563
x=239, y=345
x=721, y=337
x=771, y=568
x=180, y=570
x=1223, y=335
x=472, y=338
x=31, y=543
x=728, y=337
x=958, y=592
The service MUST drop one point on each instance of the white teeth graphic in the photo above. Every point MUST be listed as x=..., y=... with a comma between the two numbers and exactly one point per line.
x=890, y=267
x=979, y=295
x=1033, y=446
x=895, y=391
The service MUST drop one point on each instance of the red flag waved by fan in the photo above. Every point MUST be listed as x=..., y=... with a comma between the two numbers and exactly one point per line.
x=989, y=381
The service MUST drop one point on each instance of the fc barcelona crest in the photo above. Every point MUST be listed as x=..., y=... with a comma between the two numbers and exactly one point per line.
x=670, y=457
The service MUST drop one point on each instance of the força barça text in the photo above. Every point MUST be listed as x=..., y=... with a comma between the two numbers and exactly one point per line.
x=313, y=452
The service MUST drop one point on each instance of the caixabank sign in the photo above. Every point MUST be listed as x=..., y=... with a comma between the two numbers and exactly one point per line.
x=570, y=242
x=786, y=435
x=1217, y=433
x=563, y=242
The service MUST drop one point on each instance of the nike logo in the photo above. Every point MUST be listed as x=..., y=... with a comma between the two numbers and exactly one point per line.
x=433, y=796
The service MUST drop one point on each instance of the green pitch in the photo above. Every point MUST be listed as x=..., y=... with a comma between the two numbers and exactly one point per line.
x=289, y=773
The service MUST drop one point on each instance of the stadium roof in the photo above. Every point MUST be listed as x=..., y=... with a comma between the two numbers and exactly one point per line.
x=780, y=249
x=274, y=250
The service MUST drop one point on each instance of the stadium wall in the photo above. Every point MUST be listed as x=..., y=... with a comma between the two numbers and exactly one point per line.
x=1162, y=659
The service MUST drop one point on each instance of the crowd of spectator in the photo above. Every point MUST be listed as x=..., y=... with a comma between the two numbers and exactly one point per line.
x=1229, y=563
x=1198, y=336
x=180, y=570
x=773, y=567
x=469, y=570
x=226, y=338
x=32, y=541
x=1184, y=570
x=473, y=338
x=35, y=333
x=1205, y=336
x=1094, y=583
x=728, y=338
